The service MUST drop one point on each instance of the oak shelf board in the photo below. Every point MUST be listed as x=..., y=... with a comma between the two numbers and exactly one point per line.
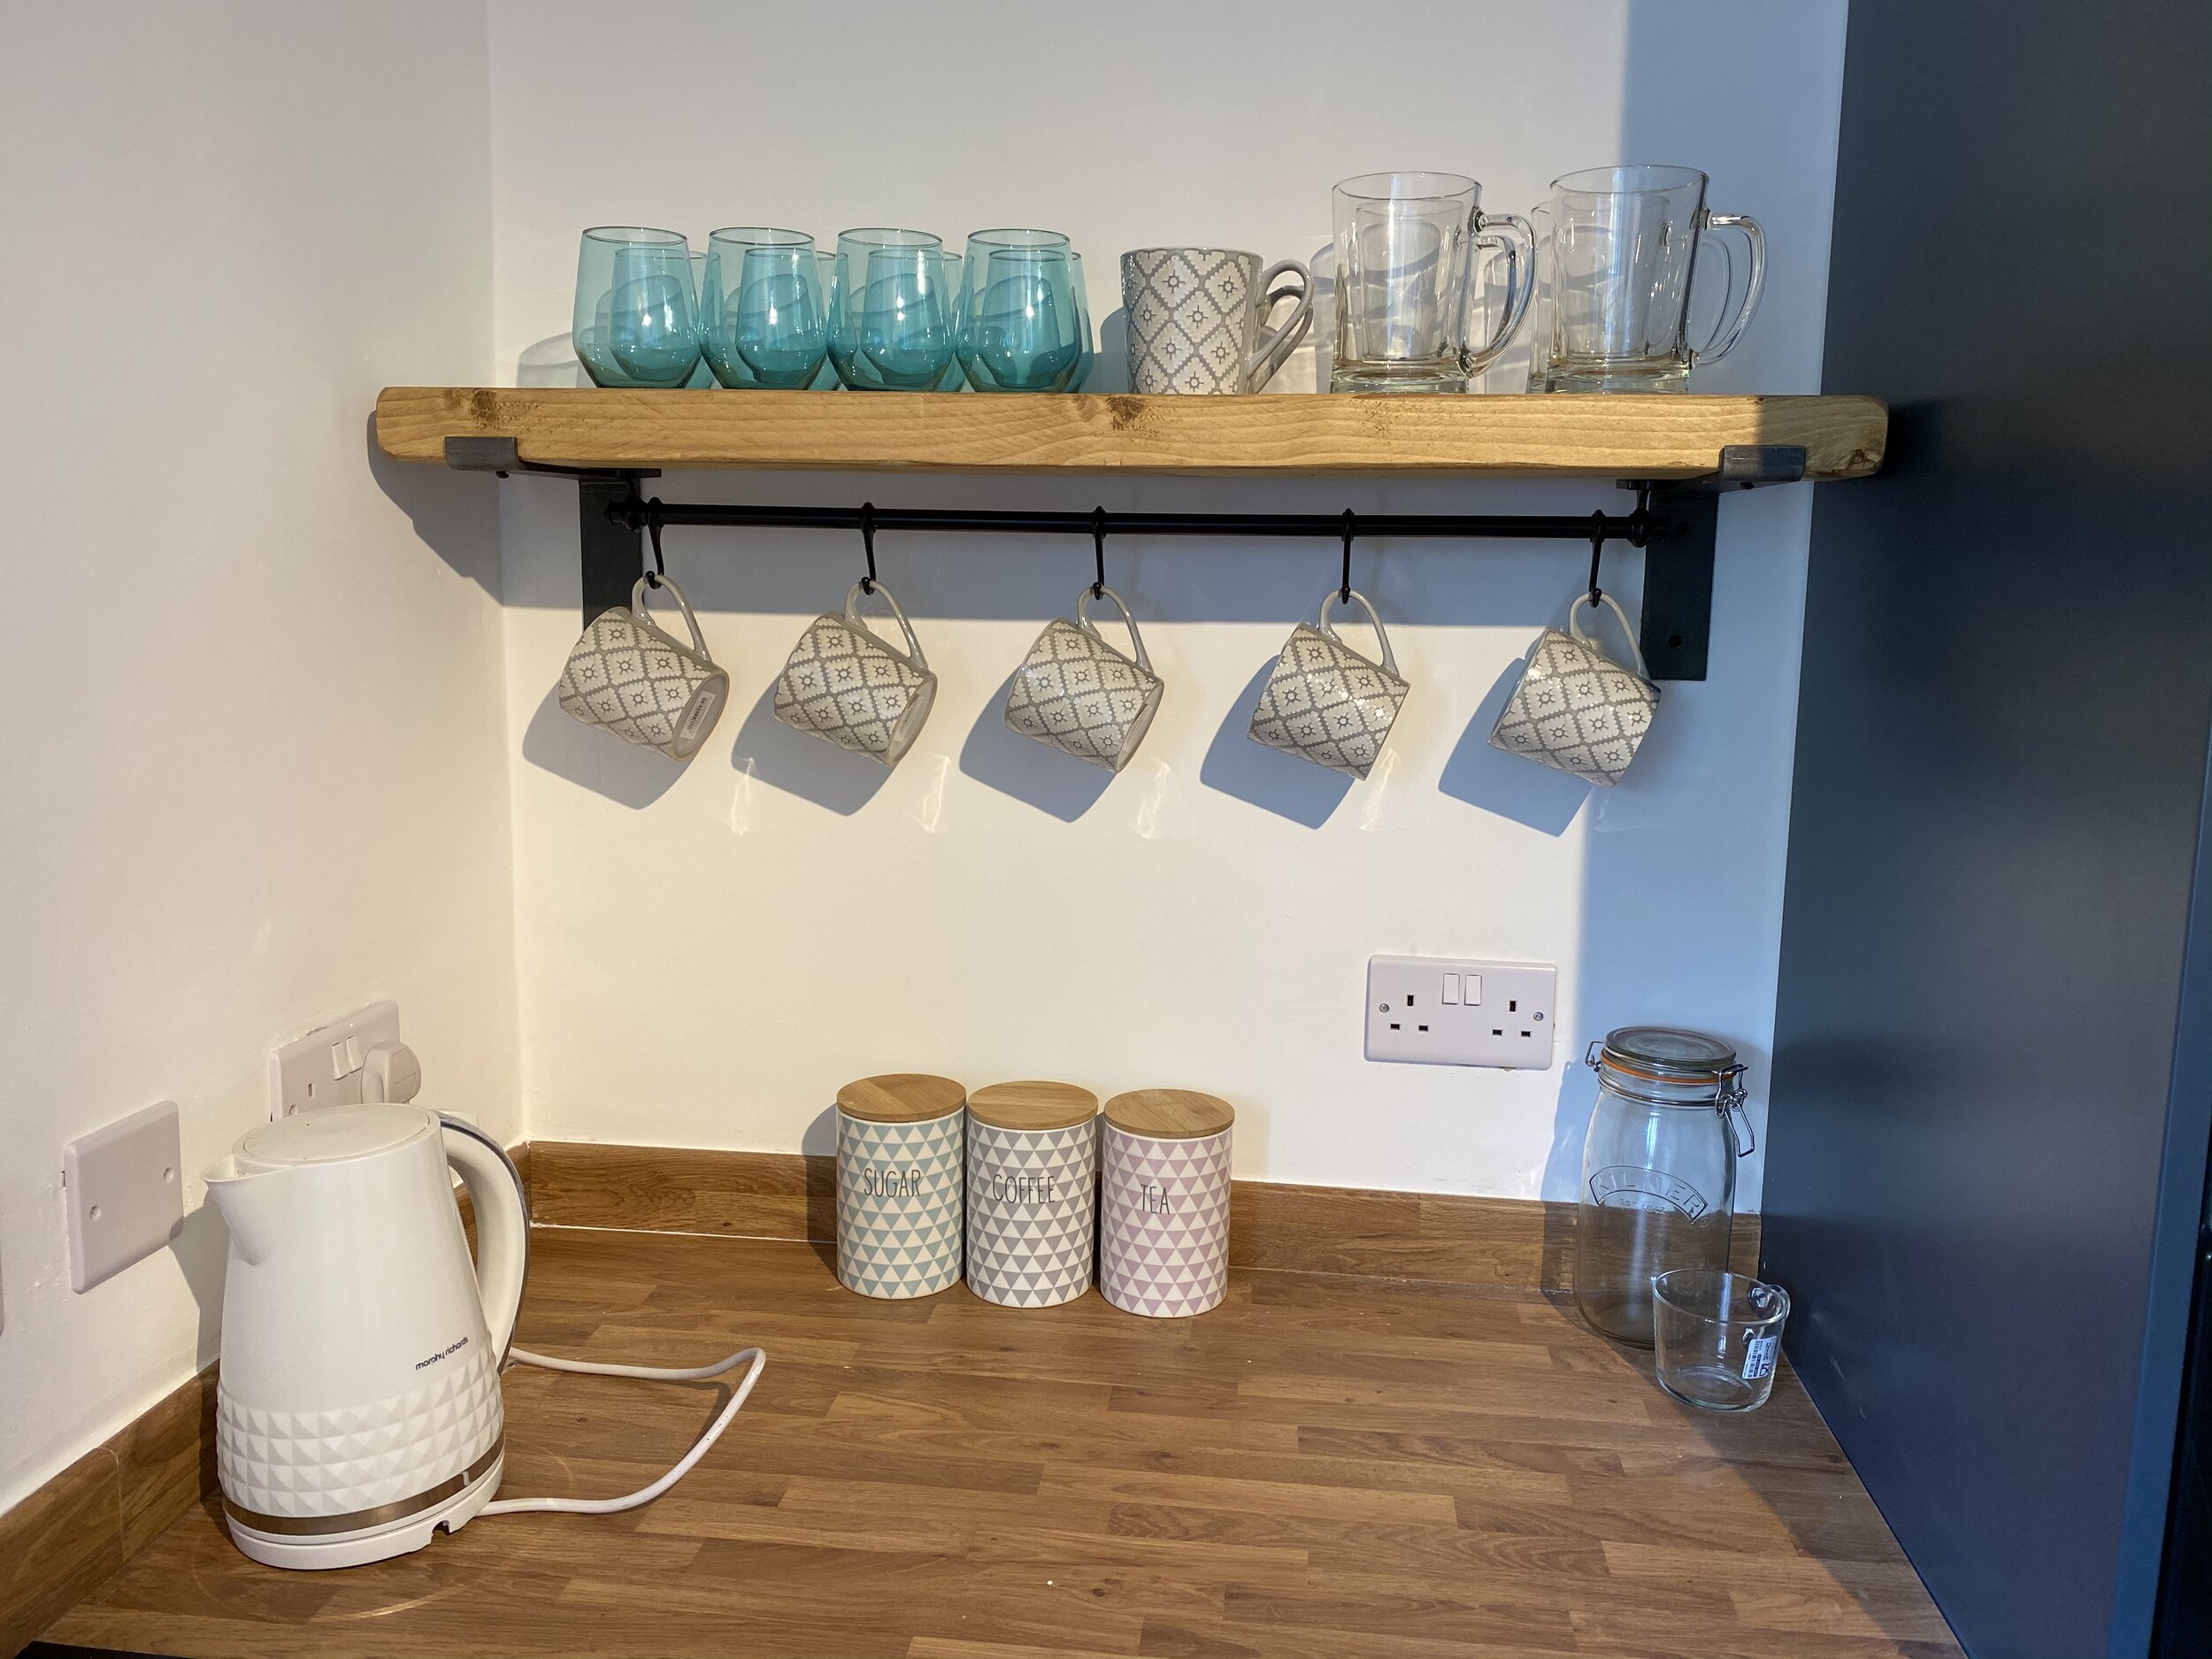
x=1654, y=436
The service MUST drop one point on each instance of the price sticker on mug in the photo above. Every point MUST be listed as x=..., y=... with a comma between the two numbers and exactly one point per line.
x=1758, y=1360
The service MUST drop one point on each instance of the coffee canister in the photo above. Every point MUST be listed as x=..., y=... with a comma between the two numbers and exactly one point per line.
x=1032, y=1193
x=1164, y=1202
x=902, y=1174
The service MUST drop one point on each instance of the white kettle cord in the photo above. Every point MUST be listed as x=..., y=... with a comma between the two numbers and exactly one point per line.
x=650, y=1373
x=644, y=1494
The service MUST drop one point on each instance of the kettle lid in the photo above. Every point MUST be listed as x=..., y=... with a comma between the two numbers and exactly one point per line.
x=333, y=1134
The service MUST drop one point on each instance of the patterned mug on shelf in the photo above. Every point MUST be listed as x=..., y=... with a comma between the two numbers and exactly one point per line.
x=1324, y=702
x=1079, y=694
x=1197, y=318
x=844, y=684
x=1575, y=709
x=644, y=684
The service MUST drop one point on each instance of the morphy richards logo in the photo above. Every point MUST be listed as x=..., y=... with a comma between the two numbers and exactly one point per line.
x=434, y=1358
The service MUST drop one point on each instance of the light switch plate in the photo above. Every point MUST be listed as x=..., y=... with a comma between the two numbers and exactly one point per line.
x=323, y=1067
x=125, y=1189
x=1453, y=1010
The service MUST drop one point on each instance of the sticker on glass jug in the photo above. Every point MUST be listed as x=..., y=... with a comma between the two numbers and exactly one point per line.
x=1631, y=1186
x=1758, y=1359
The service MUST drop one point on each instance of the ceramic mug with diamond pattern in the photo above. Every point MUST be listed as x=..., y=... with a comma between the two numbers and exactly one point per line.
x=1325, y=702
x=1081, y=695
x=644, y=684
x=1575, y=709
x=844, y=684
x=1197, y=318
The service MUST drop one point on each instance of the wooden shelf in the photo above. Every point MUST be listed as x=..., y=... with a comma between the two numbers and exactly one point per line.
x=1557, y=436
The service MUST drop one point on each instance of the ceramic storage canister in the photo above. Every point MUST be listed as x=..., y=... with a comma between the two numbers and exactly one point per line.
x=1164, y=1202
x=1032, y=1193
x=900, y=1179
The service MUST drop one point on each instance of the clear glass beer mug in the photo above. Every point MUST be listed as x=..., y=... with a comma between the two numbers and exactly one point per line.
x=1623, y=246
x=1407, y=247
x=1658, y=1171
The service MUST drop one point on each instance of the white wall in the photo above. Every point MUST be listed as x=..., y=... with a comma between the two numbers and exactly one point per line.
x=705, y=955
x=255, y=755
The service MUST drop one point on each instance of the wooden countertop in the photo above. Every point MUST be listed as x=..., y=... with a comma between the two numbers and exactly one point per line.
x=1324, y=1467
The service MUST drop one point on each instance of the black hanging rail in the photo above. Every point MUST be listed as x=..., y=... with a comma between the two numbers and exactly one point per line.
x=1633, y=528
x=1673, y=521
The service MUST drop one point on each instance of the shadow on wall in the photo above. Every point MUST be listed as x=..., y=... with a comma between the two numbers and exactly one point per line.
x=800, y=763
x=995, y=754
x=455, y=515
x=1266, y=777
x=595, y=759
x=202, y=1246
x=1508, y=785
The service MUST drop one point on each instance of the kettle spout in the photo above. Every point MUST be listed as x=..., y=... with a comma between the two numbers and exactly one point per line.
x=253, y=1205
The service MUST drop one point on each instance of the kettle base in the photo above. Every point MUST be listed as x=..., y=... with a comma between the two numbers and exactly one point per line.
x=356, y=1549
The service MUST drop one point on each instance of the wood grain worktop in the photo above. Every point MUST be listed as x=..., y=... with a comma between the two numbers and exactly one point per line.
x=1326, y=1467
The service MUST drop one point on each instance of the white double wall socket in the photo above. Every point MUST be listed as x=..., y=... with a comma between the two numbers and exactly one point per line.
x=1452, y=1010
x=326, y=1067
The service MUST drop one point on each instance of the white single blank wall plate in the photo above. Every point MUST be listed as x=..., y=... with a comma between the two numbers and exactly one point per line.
x=323, y=1067
x=125, y=1189
x=1453, y=1010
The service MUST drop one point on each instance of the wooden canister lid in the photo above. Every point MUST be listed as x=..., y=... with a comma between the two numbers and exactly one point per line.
x=1169, y=1114
x=1033, y=1105
x=900, y=1097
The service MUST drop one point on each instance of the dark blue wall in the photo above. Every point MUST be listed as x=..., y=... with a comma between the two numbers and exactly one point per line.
x=1990, y=1094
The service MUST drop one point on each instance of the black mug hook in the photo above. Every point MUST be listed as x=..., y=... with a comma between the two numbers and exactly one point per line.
x=1597, y=552
x=868, y=541
x=653, y=529
x=1098, y=551
x=1344, y=584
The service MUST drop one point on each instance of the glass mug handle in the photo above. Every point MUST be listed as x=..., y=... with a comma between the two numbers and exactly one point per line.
x=1726, y=334
x=1513, y=234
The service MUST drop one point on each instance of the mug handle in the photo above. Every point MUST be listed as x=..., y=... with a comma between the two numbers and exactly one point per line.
x=1353, y=597
x=852, y=621
x=1518, y=240
x=1574, y=626
x=1083, y=620
x=1275, y=344
x=638, y=604
x=1726, y=336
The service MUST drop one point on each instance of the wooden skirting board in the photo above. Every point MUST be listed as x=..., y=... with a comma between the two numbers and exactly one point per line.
x=84, y=1523
x=1505, y=1243
x=68, y=1536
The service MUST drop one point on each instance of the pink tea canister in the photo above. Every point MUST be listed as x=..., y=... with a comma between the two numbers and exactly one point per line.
x=1164, y=1202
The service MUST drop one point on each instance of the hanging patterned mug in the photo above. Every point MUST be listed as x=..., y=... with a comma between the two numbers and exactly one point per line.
x=843, y=683
x=1575, y=709
x=1079, y=694
x=1324, y=702
x=641, y=684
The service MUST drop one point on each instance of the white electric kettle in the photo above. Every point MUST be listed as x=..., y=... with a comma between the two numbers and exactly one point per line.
x=358, y=1404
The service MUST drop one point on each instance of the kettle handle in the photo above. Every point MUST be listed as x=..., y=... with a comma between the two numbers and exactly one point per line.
x=502, y=1224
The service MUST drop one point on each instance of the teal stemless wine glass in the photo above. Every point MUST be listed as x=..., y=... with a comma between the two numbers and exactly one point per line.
x=892, y=310
x=1018, y=333
x=636, y=316
x=981, y=245
x=767, y=319
x=701, y=375
x=1080, y=370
